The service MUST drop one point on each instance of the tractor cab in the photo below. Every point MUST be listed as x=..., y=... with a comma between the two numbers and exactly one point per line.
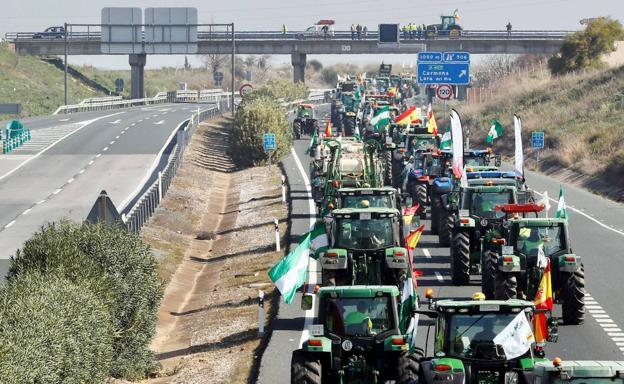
x=384, y=197
x=305, y=121
x=358, y=336
x=481, y=157
x=305, y=111
x=479, y=203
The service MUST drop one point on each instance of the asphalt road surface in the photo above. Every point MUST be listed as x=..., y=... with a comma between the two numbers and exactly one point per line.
x=597, y=235
x=71, y=158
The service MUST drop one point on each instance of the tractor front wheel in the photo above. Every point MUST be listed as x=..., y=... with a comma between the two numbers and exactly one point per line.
x=388, y=174
x=460, y=259
x=297, y=130
x=506, y=286
x=305, y=368
x=488, y=274
x=573, y=292
x=408, y=367
x=446, y=225
x=421, y=196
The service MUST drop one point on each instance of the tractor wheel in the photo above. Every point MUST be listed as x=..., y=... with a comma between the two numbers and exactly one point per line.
x=435, y=215
x=506, y=286
x=388, y=175
x=573, y=292
x=297, y=130
x=488, y=274
x=349, y=127
x=446, y=225
x=421, y=189
x=305, y=368
x=333, y=278
x=460, y=259
x=408, y=367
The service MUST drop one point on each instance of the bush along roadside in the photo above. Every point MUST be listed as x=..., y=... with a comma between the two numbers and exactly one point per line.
x=111, y=264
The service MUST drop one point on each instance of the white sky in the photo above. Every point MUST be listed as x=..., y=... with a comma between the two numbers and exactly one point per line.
x=35, y=15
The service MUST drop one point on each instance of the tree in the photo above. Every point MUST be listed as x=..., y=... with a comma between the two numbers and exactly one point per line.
x=187, y=65
x=215, y=62
x=584, y=49
x=315, y=65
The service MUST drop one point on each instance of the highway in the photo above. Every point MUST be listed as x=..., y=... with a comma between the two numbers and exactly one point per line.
x=71, y=158
x=597, y=235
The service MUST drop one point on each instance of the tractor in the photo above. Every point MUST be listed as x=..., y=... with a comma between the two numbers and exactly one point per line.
x=474, y=214
x=358, y=337
x=305, y=122
x=464, y=348
x=365, y=247
x=448, y=27
x=560, y=371
x=514, y=259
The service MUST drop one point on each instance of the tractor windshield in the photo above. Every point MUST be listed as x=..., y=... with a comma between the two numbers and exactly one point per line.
x=472, y=335
x=482, y=204
x=358, y=316
x=365, y=234
x=472, y=161
x=421, y=143
x=305, y=112
x=531, y=239
x=374, y=201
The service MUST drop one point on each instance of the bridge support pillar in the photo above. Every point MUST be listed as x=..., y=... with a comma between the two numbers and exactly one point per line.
x=298, y=61
x=137, y=77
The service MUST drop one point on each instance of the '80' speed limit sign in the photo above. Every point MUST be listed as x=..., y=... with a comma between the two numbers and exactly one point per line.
x=444, y=92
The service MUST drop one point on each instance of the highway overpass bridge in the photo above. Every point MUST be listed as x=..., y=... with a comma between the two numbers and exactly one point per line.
x=299, y=46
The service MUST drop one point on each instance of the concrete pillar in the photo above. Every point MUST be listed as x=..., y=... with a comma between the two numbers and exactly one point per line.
x=137, y=78
x=298, y=61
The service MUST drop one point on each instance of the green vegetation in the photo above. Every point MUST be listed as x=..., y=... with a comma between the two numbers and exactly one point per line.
x=37, y=85
x=585, y=49
x=113, y=265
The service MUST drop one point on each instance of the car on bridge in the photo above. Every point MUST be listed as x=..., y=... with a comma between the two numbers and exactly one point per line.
x=317, y=31
x=50, y=33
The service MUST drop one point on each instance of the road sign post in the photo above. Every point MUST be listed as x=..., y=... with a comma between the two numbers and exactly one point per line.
x=537, y=142
x=269, y=144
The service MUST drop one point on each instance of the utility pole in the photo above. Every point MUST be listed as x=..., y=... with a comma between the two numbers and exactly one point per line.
x=233, y=65
x=66, y=32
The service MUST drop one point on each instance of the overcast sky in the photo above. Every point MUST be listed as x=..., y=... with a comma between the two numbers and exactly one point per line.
x=35, y=15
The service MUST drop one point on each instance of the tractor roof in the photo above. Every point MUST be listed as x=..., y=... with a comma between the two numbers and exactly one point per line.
x=491, y=182
x=362, y=291
x=490, y=188
x=583, y=369
x=304, y=105
x=476, y=304
x=378, y=210
x=537, y=221
x=367, y=191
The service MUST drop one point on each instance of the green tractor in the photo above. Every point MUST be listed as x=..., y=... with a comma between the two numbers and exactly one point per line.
x=448, y=27
x=511, y=261
x=579, y=372
x=464, y=348
x=365, y=247
x=473, y=216
x=305, y=122
x=357, y=338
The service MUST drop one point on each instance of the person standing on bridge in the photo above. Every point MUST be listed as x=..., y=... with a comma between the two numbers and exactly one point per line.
x=358, y=29
x=284, y=29
x=405, y=32
x=325, y=31
x=418, y=31
x=365, y=30
x=508, y=28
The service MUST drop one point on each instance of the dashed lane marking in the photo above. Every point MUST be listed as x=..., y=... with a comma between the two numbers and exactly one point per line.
x=26, y=211
x=57, y=191
x=426, y=252
x=9, y=224
x=439, y=276
x=105, y=149
x=70, y=180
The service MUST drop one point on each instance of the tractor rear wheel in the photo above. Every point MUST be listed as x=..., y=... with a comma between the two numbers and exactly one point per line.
x=388, y=175
x=408, y=367
x=297, y=129
x=573, y=292
x=506, y=286
x=446, y=225
x=305, y=368
x=435, y=215
x=488, y=274
x=460, y=259
x=349, y=127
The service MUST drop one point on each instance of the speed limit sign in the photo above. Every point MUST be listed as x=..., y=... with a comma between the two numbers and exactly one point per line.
x=245, y=89
x=444, y=92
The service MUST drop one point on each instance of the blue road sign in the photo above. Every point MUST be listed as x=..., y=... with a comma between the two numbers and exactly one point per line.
x=431, y=57
x=537, y=139
x=444, y=73
x=456, y=57
x=268, y=141
x=217, y=76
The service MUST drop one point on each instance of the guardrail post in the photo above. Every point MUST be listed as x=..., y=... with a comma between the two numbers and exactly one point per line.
x=260, y=313
x=160, y=189
x=283, y=189
x=277, y=235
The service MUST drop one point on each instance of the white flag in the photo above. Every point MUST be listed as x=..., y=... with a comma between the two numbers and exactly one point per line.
x=516, y=338
x=542, y=260
x=463, y=182
x=545, y=202
x=458, y=144
x=519, y=157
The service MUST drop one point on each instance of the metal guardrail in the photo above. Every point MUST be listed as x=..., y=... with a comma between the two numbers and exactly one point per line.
x=337, y=35
x=96, y=100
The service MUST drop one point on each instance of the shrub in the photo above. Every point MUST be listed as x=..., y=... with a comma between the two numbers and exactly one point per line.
x=53, y=330
x=256, y=116
x=284, y=90
x=115, y=265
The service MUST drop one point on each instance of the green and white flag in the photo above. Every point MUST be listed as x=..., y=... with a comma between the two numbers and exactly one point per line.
x=409, y=304
x=318, y=239
x=292, y=271
x=447, y=140
x=313, y=141
x=496, y=131
x=562, y=210
x=381, y=118
x=356, y=134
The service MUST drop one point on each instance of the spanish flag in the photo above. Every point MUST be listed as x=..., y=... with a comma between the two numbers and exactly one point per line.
x=407, y=116
x=408, y=214
x=411, y=240
x=543, y=301
x=432, y=126
x=328, y=129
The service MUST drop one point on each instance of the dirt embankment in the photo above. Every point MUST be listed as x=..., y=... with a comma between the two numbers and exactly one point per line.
x=214, y=235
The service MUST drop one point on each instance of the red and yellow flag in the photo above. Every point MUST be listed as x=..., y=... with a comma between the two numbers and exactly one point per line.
x=406, y=117
x=411, y=240
x=328, y=129
x=408, y=214
x=543, y=301
x=433, y=125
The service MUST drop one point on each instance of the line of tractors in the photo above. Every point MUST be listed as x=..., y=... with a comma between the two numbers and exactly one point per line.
x=371, y=187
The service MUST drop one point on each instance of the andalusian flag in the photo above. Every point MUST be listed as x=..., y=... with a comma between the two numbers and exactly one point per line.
x=456, y=14
x=447, y=140
x=318, y=239
x=356, y=133
x=409, y=304
x=543, y=301
x=328, y=129
x=406, y=117
x=292, y=271
x=313, y=141
x=496, y=131
x=432, y=127
x=381, y=118
x=562, y=209
x=411, y=240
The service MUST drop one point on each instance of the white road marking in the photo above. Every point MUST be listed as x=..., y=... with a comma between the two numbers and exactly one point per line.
x=115, y=122
x=91, y=162
x=596, y=311
x=617, y=339
x=122, y=132
x=98, y=155
x=26, y=211
x=57, y=191
x=40, y=202
x=607, y=324
x=132, y=125
x=117, y=137
x=70, y=181
x=612, y=333
x=439, y=276
x=105, y=149
x=159, y=122
x=112, y=142
x=81, y=171
x=64, y=120
x=10, y=224
x=426, y=252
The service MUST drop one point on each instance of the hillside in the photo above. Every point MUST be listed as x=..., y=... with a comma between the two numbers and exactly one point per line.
x=581, y=115
x=37, y=85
